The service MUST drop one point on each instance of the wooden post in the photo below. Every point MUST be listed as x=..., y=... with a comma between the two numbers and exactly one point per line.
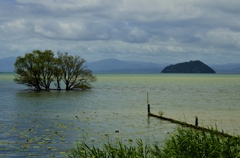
x=148, y=108
x=196, y=121
x=147, y=98
x=148, y=104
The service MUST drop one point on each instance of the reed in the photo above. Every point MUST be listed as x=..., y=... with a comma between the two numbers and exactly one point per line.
x=183, y=143
x=111, y=150
x=188, y=142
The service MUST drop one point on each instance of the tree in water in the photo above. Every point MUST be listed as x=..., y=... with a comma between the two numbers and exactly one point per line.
x=35, y=69
x=75, y=74
x=39, y=70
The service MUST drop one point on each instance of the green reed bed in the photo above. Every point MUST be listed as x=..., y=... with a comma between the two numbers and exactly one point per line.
x=186, y=142
x=183, y=143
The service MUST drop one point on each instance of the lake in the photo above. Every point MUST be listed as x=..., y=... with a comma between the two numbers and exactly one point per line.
x=47, y=124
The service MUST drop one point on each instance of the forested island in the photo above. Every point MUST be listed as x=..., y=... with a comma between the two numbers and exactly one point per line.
x=188, y=67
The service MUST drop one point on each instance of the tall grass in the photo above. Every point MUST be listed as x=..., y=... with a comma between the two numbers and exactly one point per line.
x=183, y=143
x=111, y=150
x=190, y=143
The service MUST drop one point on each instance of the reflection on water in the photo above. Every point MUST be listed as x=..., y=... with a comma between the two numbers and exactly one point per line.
x=48, y=123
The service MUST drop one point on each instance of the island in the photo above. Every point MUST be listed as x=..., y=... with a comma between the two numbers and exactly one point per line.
x=188, y=67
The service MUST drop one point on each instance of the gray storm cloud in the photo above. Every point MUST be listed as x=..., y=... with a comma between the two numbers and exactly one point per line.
x=154, y=30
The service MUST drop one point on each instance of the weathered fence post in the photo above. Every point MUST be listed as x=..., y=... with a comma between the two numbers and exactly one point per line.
x=196, y=121
x=148, y=108
x=148, y=104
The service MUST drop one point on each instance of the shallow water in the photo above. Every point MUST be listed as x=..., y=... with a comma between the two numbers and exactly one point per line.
x=47, y=124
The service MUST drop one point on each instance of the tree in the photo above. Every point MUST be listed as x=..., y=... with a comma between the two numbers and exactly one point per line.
x=46, y=64
x=35, y=69
x=58, y=74
x=40, y=69
x=75, y=74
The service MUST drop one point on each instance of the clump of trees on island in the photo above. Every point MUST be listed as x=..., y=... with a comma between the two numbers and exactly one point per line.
x=188, y=67
x=41, y=70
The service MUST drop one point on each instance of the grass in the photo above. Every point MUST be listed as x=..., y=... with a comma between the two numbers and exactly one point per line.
x=117, y=150
x=183, y=143
x=186, y=142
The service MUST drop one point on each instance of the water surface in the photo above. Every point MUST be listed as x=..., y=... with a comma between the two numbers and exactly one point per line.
x=46, y=124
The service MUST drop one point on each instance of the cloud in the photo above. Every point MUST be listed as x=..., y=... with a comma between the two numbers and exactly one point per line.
x=153, y=30
x=224, y=38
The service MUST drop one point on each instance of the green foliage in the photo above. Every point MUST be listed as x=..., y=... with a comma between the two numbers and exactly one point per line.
x=39, y=70
x=118, y=150
x=75, y=75
x=35, y=69
x=183, y=143
x=199, y=144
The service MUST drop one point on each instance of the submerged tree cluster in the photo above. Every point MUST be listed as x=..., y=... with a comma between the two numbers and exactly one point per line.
x=41, y=70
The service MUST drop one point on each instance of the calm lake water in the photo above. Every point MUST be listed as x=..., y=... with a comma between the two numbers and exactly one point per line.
x=47, y=124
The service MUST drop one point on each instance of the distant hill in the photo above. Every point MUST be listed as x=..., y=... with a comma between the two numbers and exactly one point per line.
x=103, y=66
x=188, y=67
x=118, y=66
x=232, y=68
x=7, y=64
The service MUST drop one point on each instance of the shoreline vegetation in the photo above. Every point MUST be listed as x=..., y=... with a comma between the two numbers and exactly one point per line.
x=183, y=142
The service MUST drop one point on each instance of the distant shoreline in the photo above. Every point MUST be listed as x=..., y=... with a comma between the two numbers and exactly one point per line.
x=146, y=73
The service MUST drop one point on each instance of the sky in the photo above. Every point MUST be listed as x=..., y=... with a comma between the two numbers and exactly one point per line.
x=159, y=31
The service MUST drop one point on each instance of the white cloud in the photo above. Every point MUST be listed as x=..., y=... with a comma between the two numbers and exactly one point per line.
x=222, y=38
x=14, y=29
x=71, y=6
